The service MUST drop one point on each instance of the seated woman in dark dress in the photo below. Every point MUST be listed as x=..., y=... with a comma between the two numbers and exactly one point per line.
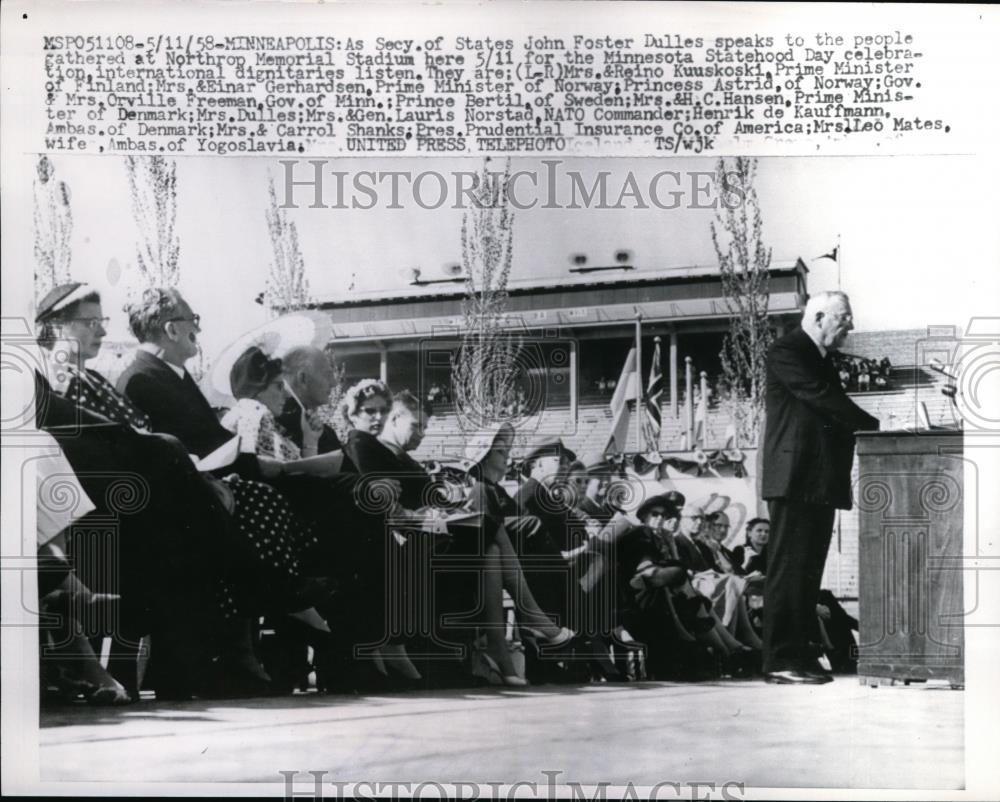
x=364, y=408
x=256, y=382
x=425, y=503
x=68, y=661
x=488, y=454
x=834, y=624
x=751, y=556
x=266, y=571
x=661, y=606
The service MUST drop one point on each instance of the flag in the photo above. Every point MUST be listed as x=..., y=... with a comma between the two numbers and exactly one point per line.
x=831, y=255
x=701, y=420
x=730, y=437
x=654, y=390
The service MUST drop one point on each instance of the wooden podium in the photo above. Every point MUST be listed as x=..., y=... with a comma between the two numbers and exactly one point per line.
x=909, y=498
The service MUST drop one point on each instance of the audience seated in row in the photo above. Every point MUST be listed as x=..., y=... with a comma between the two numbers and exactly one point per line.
x=303, y=531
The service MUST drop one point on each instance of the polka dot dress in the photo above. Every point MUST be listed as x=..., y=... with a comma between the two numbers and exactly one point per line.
x=90, y=390
x=266, y=523
x=278, y=539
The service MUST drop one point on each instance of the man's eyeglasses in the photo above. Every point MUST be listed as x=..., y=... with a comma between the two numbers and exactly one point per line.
x=92, y=323
x=195, y=320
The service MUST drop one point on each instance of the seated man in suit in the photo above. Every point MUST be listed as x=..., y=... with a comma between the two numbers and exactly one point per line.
x=724, y=589
x=423, y=504
x=563, y=527
x=309, y=378
x=158, y=383
x=388, y=455
x=351, y=544
x=546, y=530
x=584, y=485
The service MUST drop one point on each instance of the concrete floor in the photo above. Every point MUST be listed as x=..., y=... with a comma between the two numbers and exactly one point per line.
x=840, y=735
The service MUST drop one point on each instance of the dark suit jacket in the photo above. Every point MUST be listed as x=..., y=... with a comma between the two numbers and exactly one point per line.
x=810, y=424
x=177, y=406
x=566, y=527
x=372, y=457
x=757, y=561
x=691, y=556
x=290, y=420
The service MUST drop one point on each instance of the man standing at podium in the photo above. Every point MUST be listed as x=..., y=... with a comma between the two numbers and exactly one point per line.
x=806, y=472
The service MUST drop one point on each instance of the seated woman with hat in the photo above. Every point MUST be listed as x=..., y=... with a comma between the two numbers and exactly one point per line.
x=267, y=539
x=545, y=527
x=660, y=604
x=257, y=385
x=487, y=454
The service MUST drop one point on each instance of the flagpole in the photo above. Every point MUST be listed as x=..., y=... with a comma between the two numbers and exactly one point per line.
x=638, y=381
x=839, y=253
x=659, y=392
x=703, y=407
x=689, y=403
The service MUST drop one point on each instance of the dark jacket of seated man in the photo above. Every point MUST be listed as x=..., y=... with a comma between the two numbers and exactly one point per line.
x=564, y=528
x=372, y=457
x=177, y=406
x=694, y=555
x=290, y=420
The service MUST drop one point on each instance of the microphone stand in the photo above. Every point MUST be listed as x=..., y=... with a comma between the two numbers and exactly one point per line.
x=950, y=390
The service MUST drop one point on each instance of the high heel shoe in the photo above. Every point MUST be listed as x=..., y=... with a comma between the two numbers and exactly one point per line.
x=395, y=658
x=238, y=673
x=561, y=638
x=495, y=677
x=109, y=696
x=320, y=639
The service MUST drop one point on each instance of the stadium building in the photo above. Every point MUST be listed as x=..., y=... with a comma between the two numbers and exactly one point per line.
x=576, y=336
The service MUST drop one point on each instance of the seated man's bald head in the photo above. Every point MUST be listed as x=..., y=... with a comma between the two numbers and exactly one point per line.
x=309, y=373
x=302, y=357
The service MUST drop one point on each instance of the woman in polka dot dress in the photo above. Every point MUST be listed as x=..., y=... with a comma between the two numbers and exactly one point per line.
x=276, y=539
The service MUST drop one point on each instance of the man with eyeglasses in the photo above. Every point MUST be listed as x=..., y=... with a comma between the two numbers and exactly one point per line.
x=546, y=529
x=691, y=521
x=808, y=449
x=159, y=384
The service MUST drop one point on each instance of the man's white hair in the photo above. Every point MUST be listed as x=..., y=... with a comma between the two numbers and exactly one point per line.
x=302, y=357
x=822, y=302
